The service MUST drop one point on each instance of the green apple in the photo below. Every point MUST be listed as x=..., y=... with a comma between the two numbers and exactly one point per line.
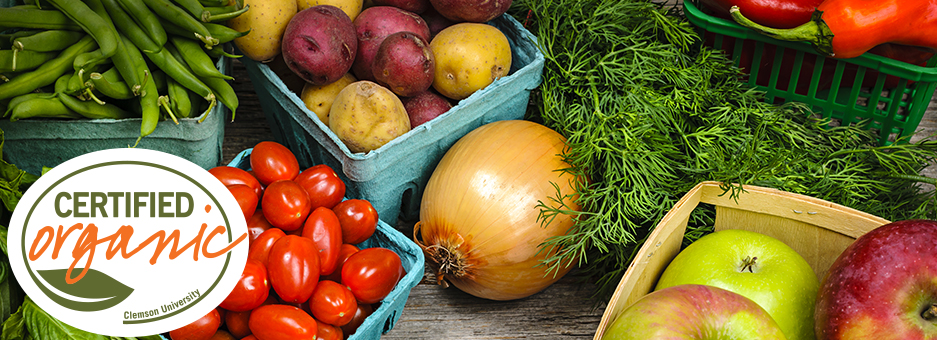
x=696, y=312
x=757, y=266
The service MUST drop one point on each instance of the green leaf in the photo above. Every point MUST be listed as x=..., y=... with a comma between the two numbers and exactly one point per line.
x=41, y=325
x=94, y=285
x=14, y=328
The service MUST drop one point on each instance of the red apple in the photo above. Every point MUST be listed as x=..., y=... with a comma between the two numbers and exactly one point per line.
x=693, y=312
x=883, y=286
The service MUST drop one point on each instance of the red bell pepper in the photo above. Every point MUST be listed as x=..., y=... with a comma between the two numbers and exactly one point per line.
x=849, y=28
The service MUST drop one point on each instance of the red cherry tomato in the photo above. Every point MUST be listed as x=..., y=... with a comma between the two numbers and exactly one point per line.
x=257, y=224
x=237, y=323
x=285, y=205
x=260, y=249
x=323, y=228
x=249, y=337
x=327, y=332
x=323, y=185
x=333, y=303
x=364, y=310
x=251, y=290
x=343, y=253
x=271, y=161
x=293, y=266
x=358, y=219
x=230, y=175
x=201, y=329
x=245, y=197
x=282, y=322
x=222, y=335
x=371, y=273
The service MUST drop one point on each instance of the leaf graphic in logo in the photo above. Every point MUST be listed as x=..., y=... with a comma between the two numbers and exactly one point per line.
x=94, y=285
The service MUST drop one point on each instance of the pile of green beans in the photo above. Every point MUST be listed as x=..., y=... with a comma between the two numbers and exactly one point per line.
x=116, y=59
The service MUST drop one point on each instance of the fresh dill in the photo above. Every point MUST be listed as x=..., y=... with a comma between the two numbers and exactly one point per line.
x=649, y=112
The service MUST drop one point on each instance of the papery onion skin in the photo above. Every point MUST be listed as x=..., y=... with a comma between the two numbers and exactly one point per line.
x=478, y=216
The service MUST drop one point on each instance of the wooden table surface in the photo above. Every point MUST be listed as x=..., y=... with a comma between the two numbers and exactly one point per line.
x=564, y=310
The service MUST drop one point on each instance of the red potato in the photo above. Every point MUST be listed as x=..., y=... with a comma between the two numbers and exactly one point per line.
x=477, y=11
x=373, y=25
x=435, y=21
x=404, y=64
x=319, y=44
x=415, y=6
x=425, y=106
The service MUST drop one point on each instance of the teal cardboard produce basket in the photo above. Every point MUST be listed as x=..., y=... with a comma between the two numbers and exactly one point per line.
x=32, y=144
x=384, y=317
x=392, y=177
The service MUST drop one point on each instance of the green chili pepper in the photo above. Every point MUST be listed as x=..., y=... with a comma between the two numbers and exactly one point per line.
x=47, y=73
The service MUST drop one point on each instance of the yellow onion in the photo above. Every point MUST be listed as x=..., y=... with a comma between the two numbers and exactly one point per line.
x=479, y=226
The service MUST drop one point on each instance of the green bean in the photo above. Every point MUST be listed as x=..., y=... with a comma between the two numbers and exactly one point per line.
x=47, y=73
x=149, y=107
x=33, y=17
x=6, y=39
x=193, y=7
x=22, y=98
x=212, y=99
x=178, y=16
x=127, y=27
x=221, y=32
x=213, y=3
x=220, y=53
x=47, y=41
x=146, y=19
x=42, y=108
x=164, y=103
x=179, y=98
x=92, y=110
x=173, y=68
x=126, y=61
x=219, y=14
x=61, y=83
x=109, y=84
x=13, y=60
x=160, y=78
x=196, y=58
x=89, y=61
x=91, y=23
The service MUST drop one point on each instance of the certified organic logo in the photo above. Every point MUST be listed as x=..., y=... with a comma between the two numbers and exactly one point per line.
x=127, y=242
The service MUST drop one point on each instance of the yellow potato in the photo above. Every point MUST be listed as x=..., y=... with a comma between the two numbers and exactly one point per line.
x=469, y=56
x=267, y=19
x=318, y=99
x=365, y=116
x=350, y=7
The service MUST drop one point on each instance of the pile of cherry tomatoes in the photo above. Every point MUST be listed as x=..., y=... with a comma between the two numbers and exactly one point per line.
x=304, y=277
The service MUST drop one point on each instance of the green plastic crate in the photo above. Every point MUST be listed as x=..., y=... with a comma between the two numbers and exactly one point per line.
x=892, y=113
x=393, y=176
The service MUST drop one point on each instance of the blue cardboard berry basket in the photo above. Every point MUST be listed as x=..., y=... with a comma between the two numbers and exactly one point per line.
x=383, y=319
x=392, y=177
